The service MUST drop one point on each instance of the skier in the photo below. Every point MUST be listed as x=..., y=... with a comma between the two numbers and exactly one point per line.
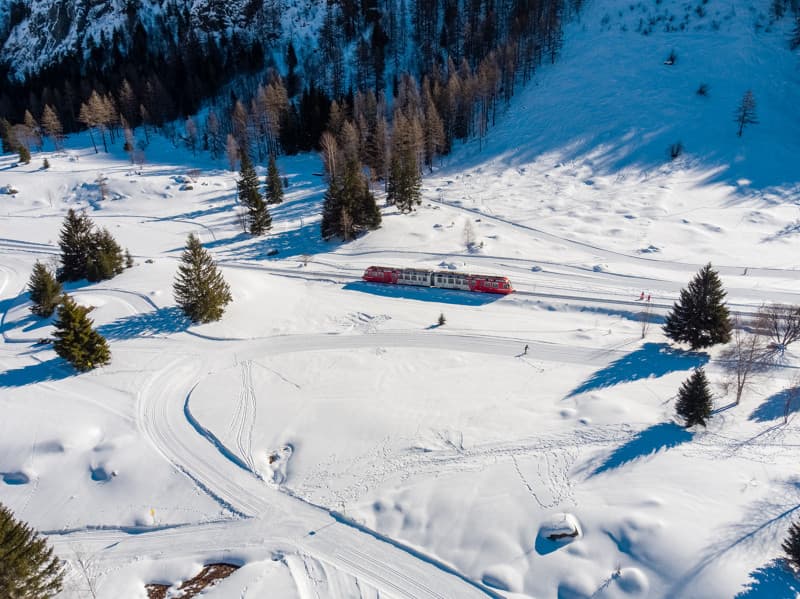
x=525, y=351
x=648, y=297
x=641, y=297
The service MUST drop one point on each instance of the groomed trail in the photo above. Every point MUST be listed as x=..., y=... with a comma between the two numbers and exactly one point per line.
x=260, y=509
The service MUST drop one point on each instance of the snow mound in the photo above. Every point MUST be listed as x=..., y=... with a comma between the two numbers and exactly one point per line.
x=277, y=462
x=503, y=577
x=560, y=527
x=633, y=581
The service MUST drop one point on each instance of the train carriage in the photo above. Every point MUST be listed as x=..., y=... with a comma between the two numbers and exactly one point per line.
x=446, y=279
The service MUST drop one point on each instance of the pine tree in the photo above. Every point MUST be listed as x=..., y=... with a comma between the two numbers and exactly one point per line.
x=44, y=290
x=331, y=225
x=405, y=180
x=247, y=185
x=76, y=244
x=106, y=257
x=694, y=399
x=7, y=142
x=700, y=317
x=791, y=545
x=76, y=340
x=746, y=112
x=349, y=207
x=274, y=185
x=128, y=259
x=259, y=219
x=199, y=288
x=28, y=568
x=24, y=154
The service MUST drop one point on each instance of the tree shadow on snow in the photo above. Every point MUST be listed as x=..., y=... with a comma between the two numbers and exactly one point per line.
x=648, y=442
x=773, y=407
x=752, y=533
x=148, y=324
x=424, y=294
x=770, y=581
x=650, y=360
x=284, y=244
x=52, y=370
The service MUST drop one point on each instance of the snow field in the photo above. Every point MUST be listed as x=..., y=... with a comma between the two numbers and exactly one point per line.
x=318, y=393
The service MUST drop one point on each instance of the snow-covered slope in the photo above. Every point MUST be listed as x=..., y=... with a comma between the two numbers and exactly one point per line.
x=330, y=436
x=43, y=32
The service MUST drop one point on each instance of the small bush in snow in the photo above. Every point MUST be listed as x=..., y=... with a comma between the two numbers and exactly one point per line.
x=442, y=320
x=703, y=90
x=675, y=150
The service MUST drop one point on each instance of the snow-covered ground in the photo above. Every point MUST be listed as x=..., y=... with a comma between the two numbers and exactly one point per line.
x=330, y=437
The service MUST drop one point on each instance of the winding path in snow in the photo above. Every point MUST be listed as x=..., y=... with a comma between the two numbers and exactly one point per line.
x=262, y=513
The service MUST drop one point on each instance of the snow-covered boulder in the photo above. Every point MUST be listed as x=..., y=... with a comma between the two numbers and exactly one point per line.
x=560, y=527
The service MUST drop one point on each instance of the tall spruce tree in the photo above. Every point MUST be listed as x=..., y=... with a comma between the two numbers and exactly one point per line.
x=76, y=341
x=405, y=180
x=694, y=399
x=28, y=568
x=349, y=207
x=259, y=220
x=791, y=545
x=199, y=288
x=75, y=241
x=700, y=317
x=106, y=257
x=44, y=290
x=274, y=184
x=247, y=185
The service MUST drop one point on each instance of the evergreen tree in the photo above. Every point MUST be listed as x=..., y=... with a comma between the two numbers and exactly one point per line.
x=106, y=258
x=24, y=154
x=405, y=183
x=694, y=399
x=405, y=180
x=199, y=288
x=349, y=207
x=274, y=185
x=7, y=143
x=746, y=112
x=76, y=340
x=76, y=244
x=44, y=290
x=259, y=219
x=700, y=317
x=792, y=546
x=128, y=259
x=28, y=568
x=247, y=185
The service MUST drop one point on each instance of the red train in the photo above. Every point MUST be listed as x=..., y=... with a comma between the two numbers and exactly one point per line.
x=445, y=279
